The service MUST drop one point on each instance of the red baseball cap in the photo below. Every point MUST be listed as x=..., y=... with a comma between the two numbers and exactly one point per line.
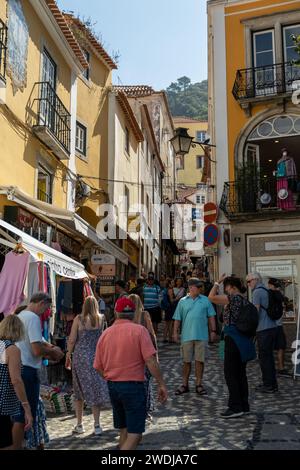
x=124, y=305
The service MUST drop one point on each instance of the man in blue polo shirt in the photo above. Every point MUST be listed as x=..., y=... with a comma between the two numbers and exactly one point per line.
x=196, y=316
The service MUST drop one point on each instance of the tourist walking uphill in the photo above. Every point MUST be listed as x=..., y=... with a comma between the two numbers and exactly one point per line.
x=239, y=348
x=123, y=351
x=195, y=315
x=88, y=385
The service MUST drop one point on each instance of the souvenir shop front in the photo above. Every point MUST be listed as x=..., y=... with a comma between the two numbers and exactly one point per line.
x=27, y=266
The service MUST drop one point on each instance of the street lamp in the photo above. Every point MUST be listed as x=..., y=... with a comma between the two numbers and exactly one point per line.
x=182, y=143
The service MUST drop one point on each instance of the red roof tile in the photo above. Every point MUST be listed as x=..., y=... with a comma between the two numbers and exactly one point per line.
x=135, y=91
x=89, y=36
x=126, y=108
x=62, y=23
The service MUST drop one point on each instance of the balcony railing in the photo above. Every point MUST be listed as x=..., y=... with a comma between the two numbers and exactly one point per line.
x=267, y=81
x=3, y=48
x=53, y=115
x=250, y=195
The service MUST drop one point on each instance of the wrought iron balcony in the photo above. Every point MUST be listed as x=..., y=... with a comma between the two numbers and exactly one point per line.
x=3, y=48
x=249, y=196
x=267, y=81
x=52, y=121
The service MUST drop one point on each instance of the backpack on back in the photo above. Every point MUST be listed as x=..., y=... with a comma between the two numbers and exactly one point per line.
x=275, y=308
x=247, y=321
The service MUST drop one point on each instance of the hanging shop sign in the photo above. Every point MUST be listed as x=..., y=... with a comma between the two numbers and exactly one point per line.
x=210, y=212
x=103, y=258
x=211, y=235
x=107, y=285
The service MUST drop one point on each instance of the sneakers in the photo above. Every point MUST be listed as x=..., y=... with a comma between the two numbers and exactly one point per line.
x=98, y=430
x=231, y=414
x=79, y=429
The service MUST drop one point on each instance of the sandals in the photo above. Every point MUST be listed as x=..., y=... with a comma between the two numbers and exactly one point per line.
x=200, y=390
x=182, y=389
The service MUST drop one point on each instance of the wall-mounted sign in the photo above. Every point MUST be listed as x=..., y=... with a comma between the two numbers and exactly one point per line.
x=103, y=258
x=283, y=246
x=211, y=235
x=210, y=212
x=196, y=213
x=276, y=268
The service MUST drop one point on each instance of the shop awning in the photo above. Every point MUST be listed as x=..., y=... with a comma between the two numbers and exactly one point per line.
x=65, y=218
x=58, y=262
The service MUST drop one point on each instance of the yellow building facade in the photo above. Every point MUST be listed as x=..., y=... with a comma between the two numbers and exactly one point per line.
x=190, y=168
x=54, y=86
x=253, y=116
x=21, y=149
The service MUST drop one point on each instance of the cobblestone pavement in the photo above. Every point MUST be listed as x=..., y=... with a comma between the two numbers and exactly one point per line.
x=192, y=422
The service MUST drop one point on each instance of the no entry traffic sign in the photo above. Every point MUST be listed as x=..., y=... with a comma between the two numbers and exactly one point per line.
x=211, y=235
x=210, y=213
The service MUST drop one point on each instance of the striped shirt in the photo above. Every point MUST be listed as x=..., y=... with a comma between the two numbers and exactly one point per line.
x=151, y=297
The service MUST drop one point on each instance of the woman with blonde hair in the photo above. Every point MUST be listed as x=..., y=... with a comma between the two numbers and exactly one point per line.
x=12, y=390
x=88, y=385
x=142, y=317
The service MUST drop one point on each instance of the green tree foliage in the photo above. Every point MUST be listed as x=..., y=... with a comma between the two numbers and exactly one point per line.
x=188, y=99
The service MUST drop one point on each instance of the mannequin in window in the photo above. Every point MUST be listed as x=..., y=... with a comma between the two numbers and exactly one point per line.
x=286, y=180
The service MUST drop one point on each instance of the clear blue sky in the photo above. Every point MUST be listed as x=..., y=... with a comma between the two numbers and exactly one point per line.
x=158, y=40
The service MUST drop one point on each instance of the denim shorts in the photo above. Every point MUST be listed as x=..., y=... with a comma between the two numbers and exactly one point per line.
x=128, y=401
x=30, y=377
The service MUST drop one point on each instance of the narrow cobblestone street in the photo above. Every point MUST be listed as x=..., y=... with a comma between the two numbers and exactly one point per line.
x=193, y=422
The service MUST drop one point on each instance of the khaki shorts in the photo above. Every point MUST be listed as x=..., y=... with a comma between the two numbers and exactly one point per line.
x=192, y=349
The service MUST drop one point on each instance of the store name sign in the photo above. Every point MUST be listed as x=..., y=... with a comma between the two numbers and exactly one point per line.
x=283, y=246
x=278, y=270
x=59, y=268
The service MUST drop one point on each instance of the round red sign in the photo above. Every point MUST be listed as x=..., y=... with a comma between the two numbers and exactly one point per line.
x=210, y=212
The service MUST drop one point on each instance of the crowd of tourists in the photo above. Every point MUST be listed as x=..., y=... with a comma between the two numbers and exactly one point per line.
x=114, y=357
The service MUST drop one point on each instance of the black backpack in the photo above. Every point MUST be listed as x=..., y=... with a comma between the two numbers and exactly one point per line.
x=275, y=308
x=247, y=321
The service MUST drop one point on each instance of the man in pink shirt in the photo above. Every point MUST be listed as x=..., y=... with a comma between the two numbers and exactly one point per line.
x=121, y=355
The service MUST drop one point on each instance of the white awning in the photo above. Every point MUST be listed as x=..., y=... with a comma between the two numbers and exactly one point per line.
x=58, y=262
x=65, y=218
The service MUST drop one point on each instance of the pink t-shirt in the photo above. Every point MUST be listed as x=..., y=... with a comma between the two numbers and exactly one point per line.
x=122, y=352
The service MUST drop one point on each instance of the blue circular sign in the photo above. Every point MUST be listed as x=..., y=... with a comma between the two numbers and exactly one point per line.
x=211, y=235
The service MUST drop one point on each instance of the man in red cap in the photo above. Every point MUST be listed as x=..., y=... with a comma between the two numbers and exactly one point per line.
x=121, y=355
